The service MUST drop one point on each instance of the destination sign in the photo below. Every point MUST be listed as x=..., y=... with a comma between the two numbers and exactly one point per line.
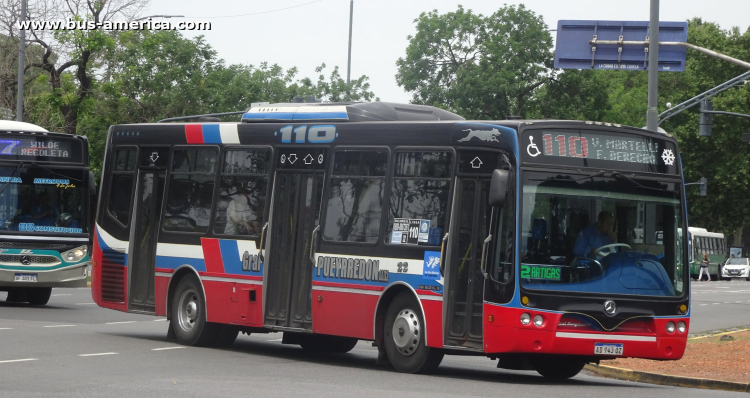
x=592, y=148
x=40, y=148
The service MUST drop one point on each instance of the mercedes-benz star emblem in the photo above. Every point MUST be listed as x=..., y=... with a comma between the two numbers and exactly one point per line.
x=25, y=260
x=610, y=307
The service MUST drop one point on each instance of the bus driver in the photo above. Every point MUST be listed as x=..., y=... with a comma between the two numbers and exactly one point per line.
x=595, y=236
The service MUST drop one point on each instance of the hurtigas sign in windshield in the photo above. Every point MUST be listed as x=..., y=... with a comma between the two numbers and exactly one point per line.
x=592, y=227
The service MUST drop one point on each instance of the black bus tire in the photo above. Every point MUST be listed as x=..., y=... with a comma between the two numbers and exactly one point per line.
x=404, y=337
x=558, y=368
x=38, y=295
x=189, y=315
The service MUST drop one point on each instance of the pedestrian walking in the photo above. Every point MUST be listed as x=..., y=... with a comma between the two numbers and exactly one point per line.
x=704, y=268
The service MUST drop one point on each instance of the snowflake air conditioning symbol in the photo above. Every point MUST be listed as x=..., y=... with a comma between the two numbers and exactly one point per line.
x=668, y=157
x=433, y=262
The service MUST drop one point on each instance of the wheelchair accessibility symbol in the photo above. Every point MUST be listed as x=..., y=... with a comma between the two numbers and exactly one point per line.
x=532, y=147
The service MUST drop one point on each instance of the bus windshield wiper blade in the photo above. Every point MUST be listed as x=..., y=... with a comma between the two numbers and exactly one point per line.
x=620, y=176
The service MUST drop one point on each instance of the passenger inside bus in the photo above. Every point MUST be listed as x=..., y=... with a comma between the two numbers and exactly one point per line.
x=242, y=217
x=44, y=212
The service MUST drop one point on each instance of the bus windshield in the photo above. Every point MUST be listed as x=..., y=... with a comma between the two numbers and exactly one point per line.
x=603, y=233
x=42, y=200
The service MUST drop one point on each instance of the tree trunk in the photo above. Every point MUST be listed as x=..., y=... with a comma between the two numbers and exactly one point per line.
x=737, y=237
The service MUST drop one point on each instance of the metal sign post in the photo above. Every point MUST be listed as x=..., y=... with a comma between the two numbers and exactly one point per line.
x=652, y=113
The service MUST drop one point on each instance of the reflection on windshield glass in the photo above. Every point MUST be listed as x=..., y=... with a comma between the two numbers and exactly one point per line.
x=601, y=235
x=40, y=201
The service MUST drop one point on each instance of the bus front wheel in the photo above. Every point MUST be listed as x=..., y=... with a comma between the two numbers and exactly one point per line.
x=38, y=295
x=404, y=337
x=189, y=315
x=558, y=367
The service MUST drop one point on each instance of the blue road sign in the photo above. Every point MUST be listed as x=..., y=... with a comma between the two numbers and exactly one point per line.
x=576, y=48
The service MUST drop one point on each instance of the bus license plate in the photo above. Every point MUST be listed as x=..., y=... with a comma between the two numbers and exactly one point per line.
x=25, y=278
x=608, y=349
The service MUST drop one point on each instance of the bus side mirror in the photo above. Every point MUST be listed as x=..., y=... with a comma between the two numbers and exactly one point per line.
x=499, y=187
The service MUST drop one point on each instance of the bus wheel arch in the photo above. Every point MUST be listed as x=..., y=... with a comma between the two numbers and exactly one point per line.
x=403, y=336
x=180, y=273
x=384, y=302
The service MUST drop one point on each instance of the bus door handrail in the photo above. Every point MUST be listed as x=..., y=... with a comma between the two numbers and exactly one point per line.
x=442, y=253
x=262, y=241
x=312, y=243
x=483, y=264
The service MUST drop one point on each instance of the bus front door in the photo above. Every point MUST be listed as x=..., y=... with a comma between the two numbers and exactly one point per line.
x=464, y=279
x=296, y=212
x=146, y=222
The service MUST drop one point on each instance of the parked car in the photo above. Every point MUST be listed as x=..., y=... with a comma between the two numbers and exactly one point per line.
x=736, y=268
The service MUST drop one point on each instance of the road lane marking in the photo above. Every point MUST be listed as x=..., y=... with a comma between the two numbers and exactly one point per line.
x=119, y=323
x=85, y=303
x=166, y=348
x=58, y=326
x=98, y=354
x=275, y=340
x=6, y=328
x=164, y=320
x=61, y=294
x=19, y=360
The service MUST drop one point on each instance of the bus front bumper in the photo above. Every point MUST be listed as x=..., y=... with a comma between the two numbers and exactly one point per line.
x=71, y=276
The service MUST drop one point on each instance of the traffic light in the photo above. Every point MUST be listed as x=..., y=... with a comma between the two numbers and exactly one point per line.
x=704, y=129
x=704, y=186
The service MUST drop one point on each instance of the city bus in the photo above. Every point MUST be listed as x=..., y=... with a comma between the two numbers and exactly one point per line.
x=404, y=225
x=715, y=247
x=46, y=193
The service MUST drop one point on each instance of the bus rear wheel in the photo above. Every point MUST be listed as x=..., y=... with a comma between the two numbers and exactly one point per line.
x=189, y=315
x=38, y=295
x=558, y=367
x=404, y=337
x=330, y=344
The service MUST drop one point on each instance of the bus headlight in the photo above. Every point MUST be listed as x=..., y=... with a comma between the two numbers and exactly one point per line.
x=681, y=327
x=525, y=318
x=75, y=254
x=538, y=321
x=670, y=327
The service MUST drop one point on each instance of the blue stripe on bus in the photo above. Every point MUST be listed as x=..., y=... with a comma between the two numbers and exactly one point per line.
x=230, y=256
x=211, y=134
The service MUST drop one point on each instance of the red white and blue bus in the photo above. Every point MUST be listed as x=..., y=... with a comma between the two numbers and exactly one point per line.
x=404, y=225
x=46, y=191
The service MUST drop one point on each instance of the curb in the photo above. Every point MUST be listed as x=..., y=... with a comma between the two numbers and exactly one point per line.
x=665, y=380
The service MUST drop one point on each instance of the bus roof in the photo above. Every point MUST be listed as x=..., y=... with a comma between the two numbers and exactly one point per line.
x=346, y=111
x=696, y=231
x=10, y=125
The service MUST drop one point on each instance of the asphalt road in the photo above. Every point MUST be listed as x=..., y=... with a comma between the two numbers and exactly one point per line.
x=719, y=305
x=73, y=348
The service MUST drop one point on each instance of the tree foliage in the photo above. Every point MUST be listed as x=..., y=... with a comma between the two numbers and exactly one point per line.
x=494, y=66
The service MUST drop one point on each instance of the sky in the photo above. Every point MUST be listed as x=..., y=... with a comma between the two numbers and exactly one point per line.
x=308, y=33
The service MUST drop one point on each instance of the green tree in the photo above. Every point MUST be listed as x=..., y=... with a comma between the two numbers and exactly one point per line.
x=480, y=67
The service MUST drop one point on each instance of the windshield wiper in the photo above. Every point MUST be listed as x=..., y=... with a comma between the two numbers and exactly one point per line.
x=620, y=176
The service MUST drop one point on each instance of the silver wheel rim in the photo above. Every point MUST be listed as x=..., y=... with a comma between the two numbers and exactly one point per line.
x=406, y=331
x=187, y=310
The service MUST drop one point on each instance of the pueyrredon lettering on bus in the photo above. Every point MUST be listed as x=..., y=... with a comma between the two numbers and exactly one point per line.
x=250, y=262
x=350, y=268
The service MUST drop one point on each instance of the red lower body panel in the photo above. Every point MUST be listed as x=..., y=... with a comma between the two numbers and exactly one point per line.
x=506, y=334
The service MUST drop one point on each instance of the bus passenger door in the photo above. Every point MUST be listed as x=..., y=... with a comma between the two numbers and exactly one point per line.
x=146, y=221
x=298, y=188
x=464, y=279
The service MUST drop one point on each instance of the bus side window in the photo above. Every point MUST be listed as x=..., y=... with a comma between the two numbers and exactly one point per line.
x=421, y=183
x=242, y=192
x=121, y=185
x=355, y=199
x=191, y=189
